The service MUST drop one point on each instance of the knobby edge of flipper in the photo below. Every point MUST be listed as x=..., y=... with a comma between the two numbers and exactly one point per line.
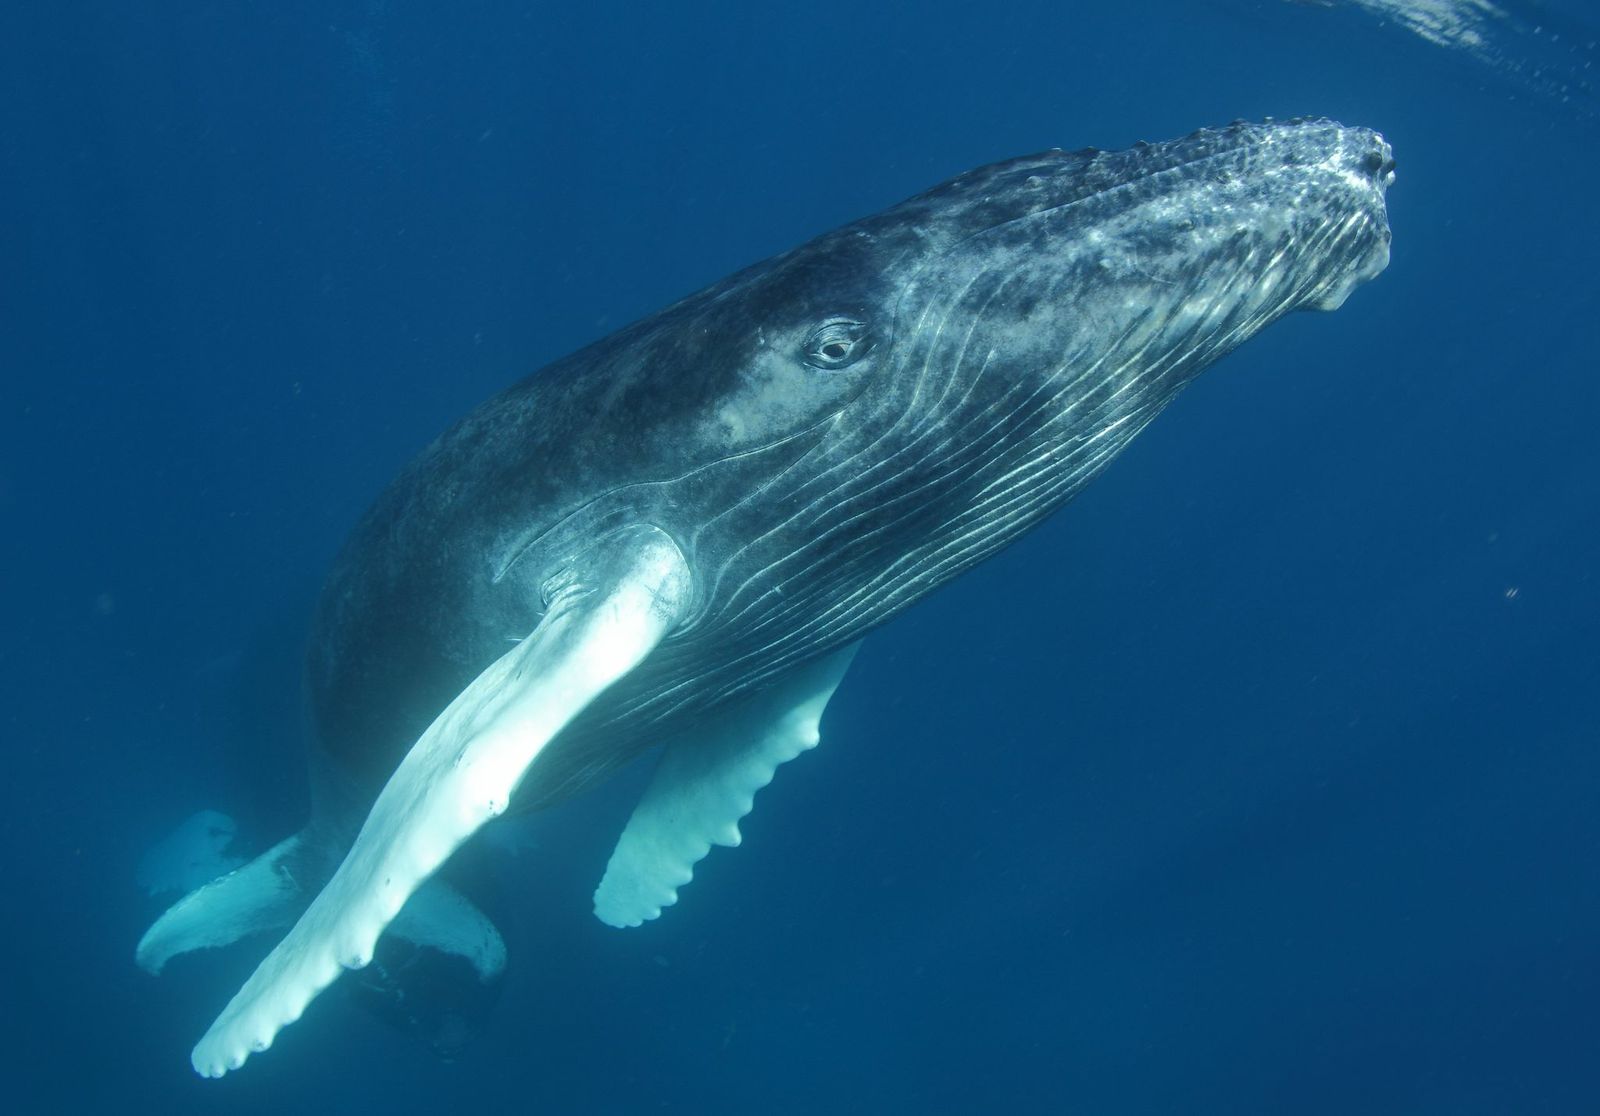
x=705, y=782
x=608, y=611
x=269, y=893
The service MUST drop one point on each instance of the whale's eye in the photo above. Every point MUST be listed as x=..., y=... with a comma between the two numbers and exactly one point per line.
x=837, y=344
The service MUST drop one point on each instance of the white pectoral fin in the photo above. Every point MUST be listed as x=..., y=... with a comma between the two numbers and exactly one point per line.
x=461, y=773
x=705, y=782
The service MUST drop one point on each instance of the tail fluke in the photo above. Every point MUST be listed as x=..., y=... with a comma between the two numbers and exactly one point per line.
x=261, y=895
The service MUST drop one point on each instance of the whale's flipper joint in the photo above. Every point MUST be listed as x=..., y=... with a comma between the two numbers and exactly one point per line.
x=705, y=783
x=606, y=611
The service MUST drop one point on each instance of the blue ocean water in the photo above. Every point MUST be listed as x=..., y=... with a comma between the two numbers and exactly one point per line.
x=1261, y=779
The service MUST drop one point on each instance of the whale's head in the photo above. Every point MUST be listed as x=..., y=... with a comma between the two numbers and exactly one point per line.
x=1047, y=307
x=947, y=371
x=1067, y=285
x=862, y=418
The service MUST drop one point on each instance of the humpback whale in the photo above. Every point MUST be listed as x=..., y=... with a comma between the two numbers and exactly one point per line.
x=676, y=537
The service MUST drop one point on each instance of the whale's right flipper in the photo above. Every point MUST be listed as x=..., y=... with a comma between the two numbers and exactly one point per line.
x=608, y=609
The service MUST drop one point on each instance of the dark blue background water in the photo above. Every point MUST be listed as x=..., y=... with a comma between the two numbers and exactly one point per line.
x=1262, y=779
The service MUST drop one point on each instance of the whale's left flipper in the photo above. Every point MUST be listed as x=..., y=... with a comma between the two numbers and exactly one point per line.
x=606, y=612
x=705, y=783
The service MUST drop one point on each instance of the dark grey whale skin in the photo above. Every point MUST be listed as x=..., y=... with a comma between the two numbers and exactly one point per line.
x=1005, y=335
